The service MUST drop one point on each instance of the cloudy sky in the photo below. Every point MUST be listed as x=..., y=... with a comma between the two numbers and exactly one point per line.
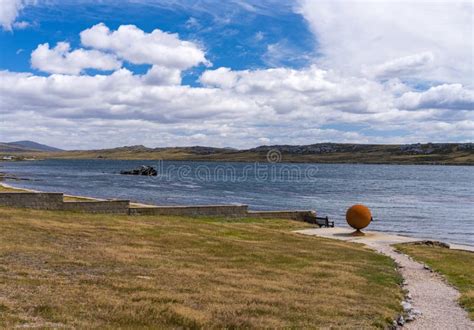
x=95, y=74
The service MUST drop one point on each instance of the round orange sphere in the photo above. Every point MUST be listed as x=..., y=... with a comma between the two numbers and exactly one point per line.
x=358, y=216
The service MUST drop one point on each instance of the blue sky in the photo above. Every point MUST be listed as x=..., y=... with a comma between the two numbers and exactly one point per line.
x=239, y=73
x=232, y=36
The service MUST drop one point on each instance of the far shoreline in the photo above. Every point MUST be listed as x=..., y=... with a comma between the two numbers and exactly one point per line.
x=204, y=160
x=316, y=153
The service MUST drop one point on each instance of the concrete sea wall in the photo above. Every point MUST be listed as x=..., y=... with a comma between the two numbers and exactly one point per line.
x=116, y=207
x=42, y=201
x=55, y=201
x=293, y=215
x=204, y=210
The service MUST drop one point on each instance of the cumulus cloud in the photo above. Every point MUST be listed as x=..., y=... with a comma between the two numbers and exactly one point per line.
x=121, y=95
x=221, y=77
x=165, y=52
x=61, y=59
x=235, y=108
x=311, y=91
x=353, y=35
x=160, y=75
x=136, y=46
x=446, y=96
x=9, y=10
x=241, y=108
x=402, y=67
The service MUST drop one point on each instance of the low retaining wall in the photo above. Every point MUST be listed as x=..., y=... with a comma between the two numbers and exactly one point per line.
x=204, y=210
x=54, y=201
x=292, y=215
x=116, y=206
x=32, y=200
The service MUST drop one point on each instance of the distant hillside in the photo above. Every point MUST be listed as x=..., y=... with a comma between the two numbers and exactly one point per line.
x=429, y=153
x=25, y=146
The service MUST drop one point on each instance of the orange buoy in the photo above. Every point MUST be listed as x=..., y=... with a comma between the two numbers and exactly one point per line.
x=358, y=217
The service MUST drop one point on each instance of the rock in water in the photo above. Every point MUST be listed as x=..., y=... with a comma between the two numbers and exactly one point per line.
x=142, y=170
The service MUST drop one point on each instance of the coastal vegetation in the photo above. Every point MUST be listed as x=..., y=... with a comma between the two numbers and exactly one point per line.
x=85, y=270
x=456, y=265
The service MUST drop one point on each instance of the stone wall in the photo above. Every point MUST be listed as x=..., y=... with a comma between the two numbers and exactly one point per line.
x=205, y=210
x=115, y=206
x=32, y=200
x=54, y=201
x=292, y=215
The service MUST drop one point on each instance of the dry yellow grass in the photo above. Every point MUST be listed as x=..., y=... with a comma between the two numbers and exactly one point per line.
x=82, y=270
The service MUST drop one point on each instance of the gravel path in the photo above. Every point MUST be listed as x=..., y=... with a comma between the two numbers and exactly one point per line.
x=430, y=295
x=431, y=301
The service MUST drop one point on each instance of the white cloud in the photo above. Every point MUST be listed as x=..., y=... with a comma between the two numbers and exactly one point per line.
x=283, y=54
x=353, y=35
x=165, y=52
x=21, y=25
x=357, y=101
x=235, y=108
x=9, y=10
x=61, y=59
x=221, y=77
x=452, y=96
x=403, y=66
x=259, y=36
x=192, y=23
x=135, y=46
x=160, y=75
x=121, y=95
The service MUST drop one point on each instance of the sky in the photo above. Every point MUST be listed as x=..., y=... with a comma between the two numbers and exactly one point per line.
x=241, y=73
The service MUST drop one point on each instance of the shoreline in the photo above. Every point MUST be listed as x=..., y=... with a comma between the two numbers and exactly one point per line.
x=373, y=238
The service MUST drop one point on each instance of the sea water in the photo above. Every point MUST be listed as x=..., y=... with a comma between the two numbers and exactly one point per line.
x=433, y=202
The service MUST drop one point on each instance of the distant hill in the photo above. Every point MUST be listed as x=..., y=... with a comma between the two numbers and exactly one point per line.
x=25, y=146
x=7, y=148
x=427, y=153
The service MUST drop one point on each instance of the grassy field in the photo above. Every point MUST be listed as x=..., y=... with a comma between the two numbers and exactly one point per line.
x=457, y=266
x=83, y=270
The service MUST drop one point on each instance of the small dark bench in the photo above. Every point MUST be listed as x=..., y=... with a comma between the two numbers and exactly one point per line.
x=321, y=222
